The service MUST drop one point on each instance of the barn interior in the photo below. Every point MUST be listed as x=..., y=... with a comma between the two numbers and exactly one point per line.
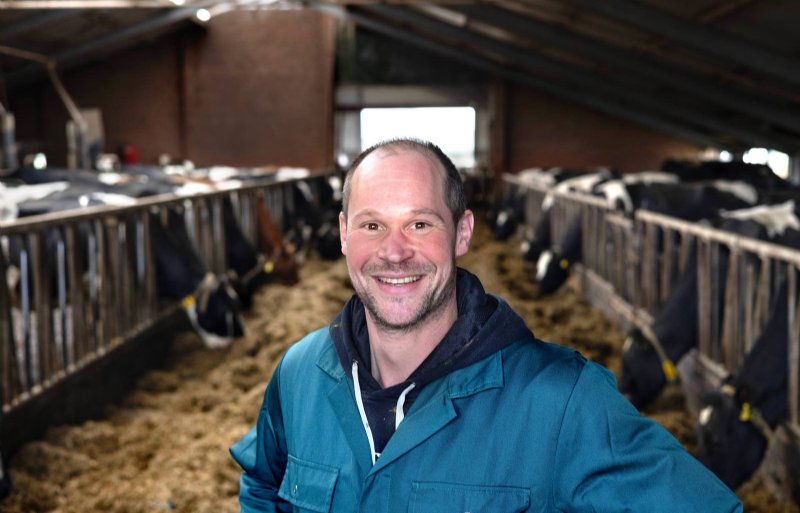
x=269, y=86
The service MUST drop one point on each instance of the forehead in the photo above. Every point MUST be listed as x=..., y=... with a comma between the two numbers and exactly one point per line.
x=400, y=165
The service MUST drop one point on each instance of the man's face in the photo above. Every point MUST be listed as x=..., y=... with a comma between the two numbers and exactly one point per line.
x=400, y=241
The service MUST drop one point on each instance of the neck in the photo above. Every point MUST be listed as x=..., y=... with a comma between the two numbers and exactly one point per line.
x=394, y=355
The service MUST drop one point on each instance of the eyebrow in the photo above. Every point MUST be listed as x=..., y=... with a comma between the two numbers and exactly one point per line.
x=416, y=212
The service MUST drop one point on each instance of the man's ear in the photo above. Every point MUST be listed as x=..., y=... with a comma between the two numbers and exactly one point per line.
x=343, y=232
x=464, y=232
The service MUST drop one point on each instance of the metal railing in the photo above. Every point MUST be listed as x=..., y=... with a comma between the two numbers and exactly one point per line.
x=630, y=267
x=86, y=279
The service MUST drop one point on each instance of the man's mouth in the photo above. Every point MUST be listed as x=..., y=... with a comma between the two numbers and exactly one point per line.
x=399, y=281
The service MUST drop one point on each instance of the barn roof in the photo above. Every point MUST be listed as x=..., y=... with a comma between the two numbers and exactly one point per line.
x=724, y=73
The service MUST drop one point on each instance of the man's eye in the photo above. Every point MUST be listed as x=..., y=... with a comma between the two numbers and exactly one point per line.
x=420, y=225
x=371, y=226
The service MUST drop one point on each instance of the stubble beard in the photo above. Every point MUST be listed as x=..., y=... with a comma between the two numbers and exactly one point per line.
x=433, y=303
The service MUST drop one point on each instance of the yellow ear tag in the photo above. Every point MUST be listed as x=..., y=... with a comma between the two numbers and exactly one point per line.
x=670, y=372
x=744, y=414
x=187, y=302
x=268, y=267
x=564, y=263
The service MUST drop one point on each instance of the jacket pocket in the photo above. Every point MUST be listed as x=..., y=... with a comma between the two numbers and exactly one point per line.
x=457, y=498
x=308, y=486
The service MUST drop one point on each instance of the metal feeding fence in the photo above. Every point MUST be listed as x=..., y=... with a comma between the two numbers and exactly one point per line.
x=630, y=266
x=83, y=282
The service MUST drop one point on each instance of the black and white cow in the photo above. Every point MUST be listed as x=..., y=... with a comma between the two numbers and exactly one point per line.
x=648, y=365
x=691, y=202
x=181, y=274
x=735, y=427
x=210, y=301
x=538, y=239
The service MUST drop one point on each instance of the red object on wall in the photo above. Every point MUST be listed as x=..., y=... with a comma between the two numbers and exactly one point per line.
x=130, y=155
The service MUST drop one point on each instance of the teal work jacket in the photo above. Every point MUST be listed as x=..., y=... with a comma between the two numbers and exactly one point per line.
x=533, y=427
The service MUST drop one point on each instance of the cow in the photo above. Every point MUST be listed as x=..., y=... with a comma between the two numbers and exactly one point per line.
x=210, y=301
x=509, y=212
x=280, y=254
x=249, y=269
x=736, y=426
x=648, y=361
x=538, y=239
x=691, y=202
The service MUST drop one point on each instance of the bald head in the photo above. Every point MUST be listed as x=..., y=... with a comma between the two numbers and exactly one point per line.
x=453, y=187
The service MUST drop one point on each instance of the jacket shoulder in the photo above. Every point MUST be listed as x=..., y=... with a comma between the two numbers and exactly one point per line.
x=308, y=349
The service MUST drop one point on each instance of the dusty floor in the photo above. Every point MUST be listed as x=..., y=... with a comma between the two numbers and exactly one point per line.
x=164, y=448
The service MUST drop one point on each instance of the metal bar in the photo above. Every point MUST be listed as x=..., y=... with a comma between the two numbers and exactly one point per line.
x=104, y=283
x=702, y=38
x=151, y=290
x=665, y=286
x=84, y=4
x=33, y=23
x=729, y=338
x=704, y=296
x=745, y=243
x=218, y=236
x=10, y=383
x=76, y=294
x=750, y=331
x=60, y=344
x=115, y=39
x=41, y=286
x=794, y=346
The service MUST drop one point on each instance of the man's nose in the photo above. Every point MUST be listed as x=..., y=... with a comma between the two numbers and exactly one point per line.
x=395, y=247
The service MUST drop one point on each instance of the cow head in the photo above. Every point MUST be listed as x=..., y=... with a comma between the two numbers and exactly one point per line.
x=215, y=312
x=730, y=445
x=552, y=270
x=642, y=377
x=505, y=224
x=329, y=245
x=531, y=250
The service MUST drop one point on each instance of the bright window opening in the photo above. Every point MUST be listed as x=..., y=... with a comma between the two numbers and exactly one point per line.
x=778, y=161
x=450, y=128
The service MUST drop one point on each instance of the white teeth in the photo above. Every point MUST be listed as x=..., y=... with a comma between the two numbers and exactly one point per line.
x=399, y=281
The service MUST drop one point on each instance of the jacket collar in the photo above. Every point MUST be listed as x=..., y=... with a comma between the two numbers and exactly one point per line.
x=431, y=412
x=483, y=375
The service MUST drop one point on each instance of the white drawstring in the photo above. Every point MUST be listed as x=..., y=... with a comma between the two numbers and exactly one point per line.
x=363, y=413
x=399, y=415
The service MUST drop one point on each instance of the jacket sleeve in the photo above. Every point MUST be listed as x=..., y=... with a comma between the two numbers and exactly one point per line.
x=610, y=458
x=262, y=455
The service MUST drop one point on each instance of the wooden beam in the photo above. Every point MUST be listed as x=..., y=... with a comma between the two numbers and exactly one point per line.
x=629, y=64
x=566, y=74
x=704, y=39
x=586, y=98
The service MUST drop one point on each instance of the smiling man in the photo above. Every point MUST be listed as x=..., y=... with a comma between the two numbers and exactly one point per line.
x=428, y=394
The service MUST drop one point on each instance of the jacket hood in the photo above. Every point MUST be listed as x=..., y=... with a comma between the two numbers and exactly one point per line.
x=485, y=325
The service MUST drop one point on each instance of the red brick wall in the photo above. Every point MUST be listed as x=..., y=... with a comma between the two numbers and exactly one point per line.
x=259, y=90
x=545, y=131
x=254, y=89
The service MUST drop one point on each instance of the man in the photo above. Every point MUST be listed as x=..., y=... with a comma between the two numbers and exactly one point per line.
x=427, y=394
